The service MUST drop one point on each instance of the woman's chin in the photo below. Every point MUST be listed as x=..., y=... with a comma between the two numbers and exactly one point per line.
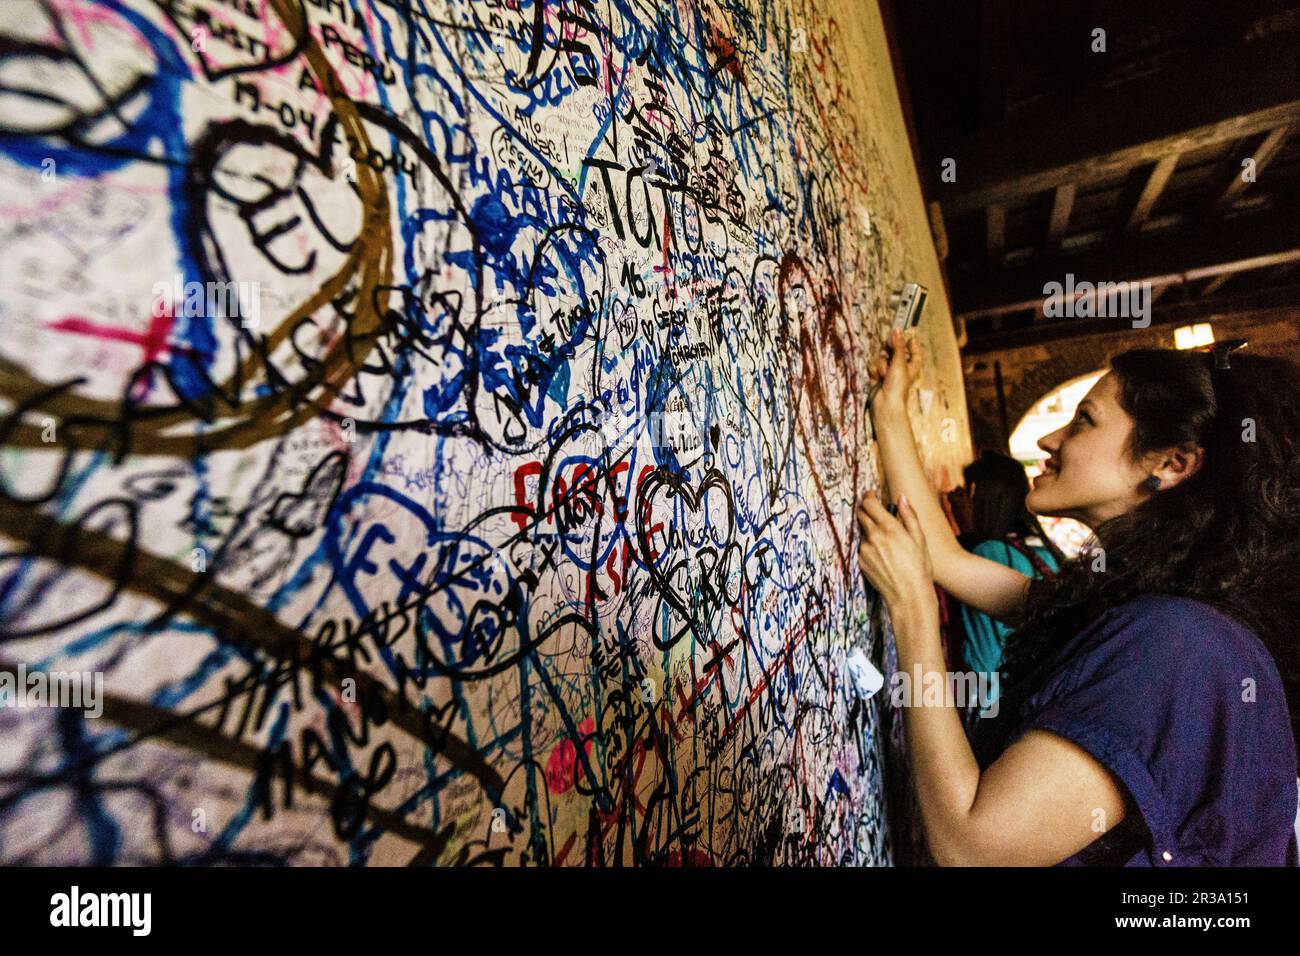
x=1040, y=503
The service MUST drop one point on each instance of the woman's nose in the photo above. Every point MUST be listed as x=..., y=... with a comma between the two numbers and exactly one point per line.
x=1050, y=442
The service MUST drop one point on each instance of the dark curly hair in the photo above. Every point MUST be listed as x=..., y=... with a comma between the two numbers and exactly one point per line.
x=1228, y=536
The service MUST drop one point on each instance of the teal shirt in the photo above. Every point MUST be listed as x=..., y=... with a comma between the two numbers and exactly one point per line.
x=985, y=636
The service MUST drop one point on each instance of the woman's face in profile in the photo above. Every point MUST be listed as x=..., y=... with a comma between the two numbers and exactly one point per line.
x=1089, y=475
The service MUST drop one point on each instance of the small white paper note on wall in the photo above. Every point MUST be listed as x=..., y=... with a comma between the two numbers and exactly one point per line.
x=865, y=677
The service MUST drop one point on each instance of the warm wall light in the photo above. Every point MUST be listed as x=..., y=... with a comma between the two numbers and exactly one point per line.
x=1194, y=336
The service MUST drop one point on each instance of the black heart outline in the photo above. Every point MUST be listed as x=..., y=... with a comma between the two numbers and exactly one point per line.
x=654, y=483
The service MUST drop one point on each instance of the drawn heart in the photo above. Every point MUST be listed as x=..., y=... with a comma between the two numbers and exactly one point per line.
x=827, y=412
x=577, y=501
x=686, y=537
x=531, y=349
x=298, y=514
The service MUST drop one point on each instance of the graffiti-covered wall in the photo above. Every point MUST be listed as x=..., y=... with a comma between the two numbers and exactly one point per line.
x=431, y=429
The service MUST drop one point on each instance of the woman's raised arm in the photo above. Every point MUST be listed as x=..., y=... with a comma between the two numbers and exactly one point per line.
x=993, y=588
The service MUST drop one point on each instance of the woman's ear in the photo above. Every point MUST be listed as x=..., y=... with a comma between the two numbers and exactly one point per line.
x=1177, y=464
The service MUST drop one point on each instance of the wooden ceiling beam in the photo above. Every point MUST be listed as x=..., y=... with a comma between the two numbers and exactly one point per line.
x=1263, y=152
x=1206, y=250
x=1157, y=179
x=1264, y=301
x=1236, y=91
x=1217, y=283
x=1062, y=206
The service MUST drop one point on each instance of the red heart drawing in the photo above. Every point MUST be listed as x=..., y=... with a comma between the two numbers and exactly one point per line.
x=827, y=412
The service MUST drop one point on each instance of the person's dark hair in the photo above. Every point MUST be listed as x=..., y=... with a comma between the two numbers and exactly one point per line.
x=1228, y=536
x=998, y=504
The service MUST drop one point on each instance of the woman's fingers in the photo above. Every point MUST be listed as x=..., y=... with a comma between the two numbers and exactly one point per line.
x=904, y=354
x=892, y=552
x=902, y=362
x=899, y=361
x=874, y=514
x=863, y=515
x=864, y=522
x=910, y=521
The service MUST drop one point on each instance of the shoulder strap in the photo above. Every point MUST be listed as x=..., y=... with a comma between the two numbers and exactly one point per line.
x=1041, y=566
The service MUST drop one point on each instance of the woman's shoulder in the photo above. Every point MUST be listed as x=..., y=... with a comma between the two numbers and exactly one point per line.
x=1183, y=621
x=1180, y=637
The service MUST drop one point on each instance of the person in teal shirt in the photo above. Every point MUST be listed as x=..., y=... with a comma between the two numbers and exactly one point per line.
x=1002, y=530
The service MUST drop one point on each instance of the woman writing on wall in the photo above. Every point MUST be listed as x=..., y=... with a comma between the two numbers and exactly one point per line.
x=1151, y=686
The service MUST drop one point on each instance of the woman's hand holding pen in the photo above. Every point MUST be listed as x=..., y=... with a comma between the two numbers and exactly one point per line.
x=894, y=557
